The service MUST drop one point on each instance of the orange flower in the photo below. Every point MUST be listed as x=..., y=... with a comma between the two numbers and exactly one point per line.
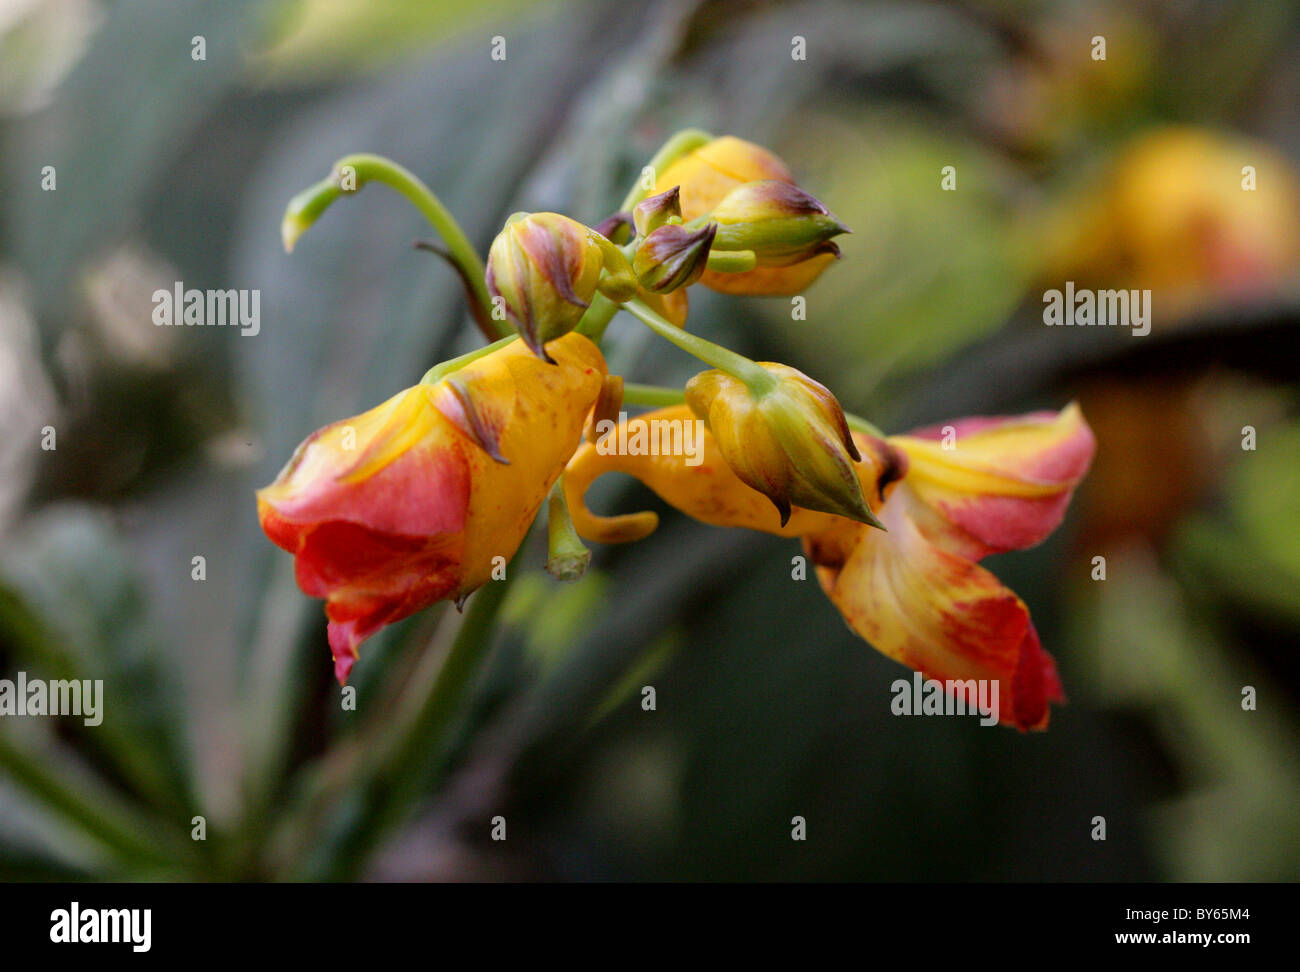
x=916, y=592
x=413, y=501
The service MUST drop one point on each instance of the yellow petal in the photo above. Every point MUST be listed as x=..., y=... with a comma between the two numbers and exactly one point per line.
x=696, y=481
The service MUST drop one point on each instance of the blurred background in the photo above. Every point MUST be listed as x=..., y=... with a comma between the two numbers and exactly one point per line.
x=1123, y=172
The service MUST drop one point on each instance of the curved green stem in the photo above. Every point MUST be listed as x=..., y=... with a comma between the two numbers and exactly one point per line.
x=352, y=172
x=738, y=366
x=567, y=555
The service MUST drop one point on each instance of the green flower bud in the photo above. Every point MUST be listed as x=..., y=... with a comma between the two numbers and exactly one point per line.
x=545, y=268
x=673, y=257
x=778, y=221
x=657, y=211
x=791, y=443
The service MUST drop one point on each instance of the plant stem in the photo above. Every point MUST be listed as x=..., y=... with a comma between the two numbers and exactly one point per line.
x=597, y=317
x=568, y=556
x=738, y=366
x=652, y=396
x=355, y=171
x=383, y=774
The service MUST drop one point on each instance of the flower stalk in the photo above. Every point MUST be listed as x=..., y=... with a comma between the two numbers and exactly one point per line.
x=352, y=172
x=758, y=381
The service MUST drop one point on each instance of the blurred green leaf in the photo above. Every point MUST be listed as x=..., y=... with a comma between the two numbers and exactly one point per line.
x=925, y=272
x=73, y=611
x=119, y=117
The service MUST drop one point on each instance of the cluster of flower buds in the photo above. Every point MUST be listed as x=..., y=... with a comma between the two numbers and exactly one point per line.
x=726, y=213
x=669, y=256
x=773, y=238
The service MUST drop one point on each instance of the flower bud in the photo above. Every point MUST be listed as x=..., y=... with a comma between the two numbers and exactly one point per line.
x=673, y=257
x=545, y=268
x=706, y=176
x=790, y=442
x=778, y=221
x=657, y=211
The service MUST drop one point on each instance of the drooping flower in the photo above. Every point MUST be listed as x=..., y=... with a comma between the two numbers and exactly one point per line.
x=413, y=501
x=710, y=173
x=914, y=591
x=917, y=592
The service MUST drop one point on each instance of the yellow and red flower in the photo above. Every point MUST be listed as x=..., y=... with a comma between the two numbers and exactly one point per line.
x=914, y=590
x=413, y=501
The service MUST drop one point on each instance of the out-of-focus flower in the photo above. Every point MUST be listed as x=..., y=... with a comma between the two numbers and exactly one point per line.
x=915, y=592
x=705, y=177
x=791, y=443
x=1173, y=214
x=673, y=257
x=413, y=501
x=546, y=268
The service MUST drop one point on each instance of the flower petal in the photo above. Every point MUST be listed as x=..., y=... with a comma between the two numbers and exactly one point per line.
x=686, y=470
x=935, y=611
x=1003, y=485
x=403, y=506
x=350, y=471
